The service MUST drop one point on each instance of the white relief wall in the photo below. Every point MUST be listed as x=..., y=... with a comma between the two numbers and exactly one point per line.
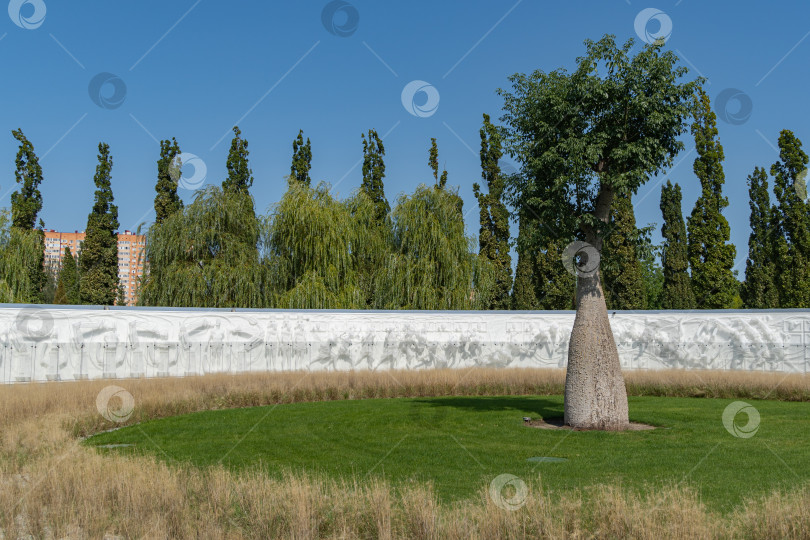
x=41, y=344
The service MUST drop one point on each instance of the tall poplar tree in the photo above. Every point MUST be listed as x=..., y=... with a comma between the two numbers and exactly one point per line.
x=758, y=291
x=524, y=296
x=621, y=267
x=373, y=174
x=98, y=261
x=677, y=290
x=792, y=232
x=301, y=160
x=68, y=282
x=167, y=201
x=493, y=238
x=240, y=177
x=26, y=204
x=711, y=255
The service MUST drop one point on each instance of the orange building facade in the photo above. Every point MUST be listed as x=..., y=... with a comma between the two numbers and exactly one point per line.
x=130, y=256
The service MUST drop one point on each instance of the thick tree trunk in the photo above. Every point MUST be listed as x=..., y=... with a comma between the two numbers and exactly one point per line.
x=595, y=395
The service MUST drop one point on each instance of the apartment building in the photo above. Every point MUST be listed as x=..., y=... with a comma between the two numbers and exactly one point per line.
x=130, y=256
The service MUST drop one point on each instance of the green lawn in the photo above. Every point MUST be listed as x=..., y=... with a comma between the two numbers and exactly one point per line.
x=462, y=443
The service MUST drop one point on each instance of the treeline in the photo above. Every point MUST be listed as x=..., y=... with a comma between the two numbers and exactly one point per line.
x=314, y=251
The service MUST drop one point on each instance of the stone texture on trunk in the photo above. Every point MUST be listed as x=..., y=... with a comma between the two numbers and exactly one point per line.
x=595, y=395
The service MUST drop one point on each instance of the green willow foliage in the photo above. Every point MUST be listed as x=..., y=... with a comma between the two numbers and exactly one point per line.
x=205, y=255
x=433, y=265
x=20, y=250
x=313, y=242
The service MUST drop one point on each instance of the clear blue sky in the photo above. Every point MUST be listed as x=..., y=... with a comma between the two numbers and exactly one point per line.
x=192, y=69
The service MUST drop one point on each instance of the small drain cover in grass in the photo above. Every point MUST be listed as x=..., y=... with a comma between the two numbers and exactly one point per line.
x=544, y=459
x=114, y=445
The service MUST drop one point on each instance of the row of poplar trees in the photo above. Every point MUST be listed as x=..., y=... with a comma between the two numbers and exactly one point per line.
x=90, y=278
x=314, y=251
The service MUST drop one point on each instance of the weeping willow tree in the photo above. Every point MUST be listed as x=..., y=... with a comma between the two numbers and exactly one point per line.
x=206, y=255
x=20, y=251
x=318, y=248
x=433, y=264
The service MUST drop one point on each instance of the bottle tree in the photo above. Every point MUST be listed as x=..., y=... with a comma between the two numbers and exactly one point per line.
x=792, y=231
x=98, y=261
x=167, y=201
x=301, y=160
x=623, y=274
x=28, y=242
x=583, y=139
x=373, y=174
x=711, y=255
x=758, y=291
x=677, y=289
x=493, y=238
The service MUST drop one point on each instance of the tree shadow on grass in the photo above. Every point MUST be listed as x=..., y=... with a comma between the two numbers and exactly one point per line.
x=523, y=405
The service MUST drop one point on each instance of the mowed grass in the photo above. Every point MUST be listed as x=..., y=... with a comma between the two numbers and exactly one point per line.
x=461, y=443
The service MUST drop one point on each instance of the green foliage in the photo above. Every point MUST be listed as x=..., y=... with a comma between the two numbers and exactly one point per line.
x=206, y=255
x=621, y=269
x=677, y=285
x=652, y=272
x=20, y=251
x=711, y=256
x=27, y=202
x=432, y=265
x=759, y=289
x=373, y=174
x=433, y=159
x=302, y=160
x=67, y=289
x=98, y=261
x=791, y=223
x=25, y=207
x=314, y=244
x=585, y=137
x=524, y=297
x=583, y=140
x=167, y=201
x=541, y=280
x=120, y=295
x=493, y=238
x=240, y=177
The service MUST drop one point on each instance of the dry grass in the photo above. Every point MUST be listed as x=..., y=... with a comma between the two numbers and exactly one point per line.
x=52, y=487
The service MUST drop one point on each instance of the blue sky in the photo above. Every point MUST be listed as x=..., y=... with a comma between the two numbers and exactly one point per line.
x=192, y=69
